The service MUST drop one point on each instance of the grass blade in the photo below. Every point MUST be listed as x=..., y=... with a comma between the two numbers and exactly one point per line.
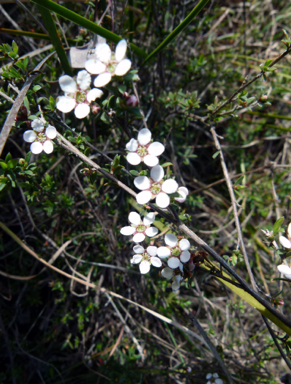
x=33, y=35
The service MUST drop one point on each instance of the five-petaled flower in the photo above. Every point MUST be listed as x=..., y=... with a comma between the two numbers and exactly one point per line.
x=213, y=378
x=40, y=136
x=78, y=95
x=140, y=228
x=107, y=64
x=155, y=187
x=175, y=251
x=143, y=150
x=145, y=258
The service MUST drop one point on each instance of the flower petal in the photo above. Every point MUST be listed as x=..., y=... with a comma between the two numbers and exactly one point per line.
x=102, y=80
x=163, y=252
x=67, y=84
x=184, y=245
x=65, y=104
x=37, y=125
x=29, y=136
x=48, y=146
x=120, y=50
x=156, y=148
x=183, y=191
x=149, y=218
x=157, y=173
x=176, y=283
x=142, y=183
x=152, y=231
x=143, y=197
x=127, y=231
x=156, y=262
x=285, y=242
x=134, y=218
x=152, y=250
x=82, y=110
x=170, y=186
x=103, y=52
x=133, y=158
x=51, y=132
x=285, y=270
x=151, y=161
x=144, y=267
x=138, y=249
x=167, y=273
x=95, y=67
x=138, y=238
x=185, y=256
x=162, y=200
x=123, y=67
x=136, y=259
x=36, y=147
x=132, y=145
x=144, y=136
x=83, y=79
x=171, y=240
x=94, y=94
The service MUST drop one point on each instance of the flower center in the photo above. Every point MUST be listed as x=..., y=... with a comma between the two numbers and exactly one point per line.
x=146, y=256
x=176, y=251
x=111, y=67
x=156, y=188
x=80, y=97
x=41, y=137
x=140, y=228
x=142, y=151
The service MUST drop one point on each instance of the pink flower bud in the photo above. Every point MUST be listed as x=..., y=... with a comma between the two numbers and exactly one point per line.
x=132, y=101
x=95, y=108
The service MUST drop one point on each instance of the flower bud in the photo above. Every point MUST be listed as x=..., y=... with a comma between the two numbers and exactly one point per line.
x=131, y=101
x=21, y=161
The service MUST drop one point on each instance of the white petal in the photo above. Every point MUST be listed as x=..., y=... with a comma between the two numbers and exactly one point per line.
x=144, y=267
x=167, y=273
x=138, y=238
x=37, y=125
x=285, y=242
x=152, y=250
x=143, y=197
x=127, y=231
x=209, y=376
x=67, y=84
x=144, y=136
x=149, y=218
x=288, y=231
x=215, y=375
x=120, y=50
x=218, y=381
x=65, y=104
x=136, y=259
x=162, y=200
x=181, y=267
x=163, y=252
x=152, y=231
x=170, y=186
x=103, y=52
x=176, y=283
x=48, y=146
x=134, y=218
x=171, y=240
x=95, y=66
x=29, y=136
x=82, y=110
x=132, y=145
x=142, y=183
x=185, y=256
x=83, y=79
x=102, y=80
x=138, y=249
x=51, y=132
x=151, y=161
x=284, y=269
x=123, y=67
x=183, y=191
x=36, y=147
x=156, y=148
x=156, y=262
x=133, y=158
x=157, y=173
x=94, y=94
x=184, y=245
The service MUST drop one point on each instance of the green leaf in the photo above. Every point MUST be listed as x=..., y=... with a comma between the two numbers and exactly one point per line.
x=277, y=225
x=36, y=88
x=12, y=163
x=215, y=155
x=166, y=164
x=134, y=173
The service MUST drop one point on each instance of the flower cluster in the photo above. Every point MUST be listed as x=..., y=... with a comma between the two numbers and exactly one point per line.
x=213, y=378
x=40, y=136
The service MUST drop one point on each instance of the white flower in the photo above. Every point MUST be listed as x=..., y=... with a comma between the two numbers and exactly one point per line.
x=213, y=379
x=285, y=270
x=145, y=258
x=155, y=187
x=78, y=95
x=142, y=150
x=175, y=252
x=183, y=191
x=40, y=136
x=107, y=64
x=176, y=275
x=286, y=243
x=140, y=229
